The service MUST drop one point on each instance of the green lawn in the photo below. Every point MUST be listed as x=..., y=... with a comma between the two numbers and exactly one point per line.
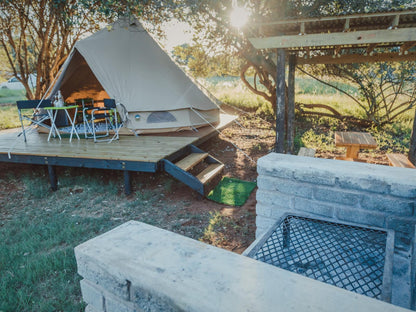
x=39, y=228
x=11, y=96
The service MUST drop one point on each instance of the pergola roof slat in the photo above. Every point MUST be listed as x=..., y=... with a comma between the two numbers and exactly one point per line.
x=366, y=35
x=337, y=38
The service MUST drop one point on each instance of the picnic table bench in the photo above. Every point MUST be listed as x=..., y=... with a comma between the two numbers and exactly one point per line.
x=399, y=160
x=353, y=142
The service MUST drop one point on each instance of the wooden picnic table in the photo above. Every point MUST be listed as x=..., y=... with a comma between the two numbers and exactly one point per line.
x=354, y=141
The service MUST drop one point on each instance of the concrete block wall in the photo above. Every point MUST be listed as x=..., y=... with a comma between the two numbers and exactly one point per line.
x=355, y=192
x=138, y=267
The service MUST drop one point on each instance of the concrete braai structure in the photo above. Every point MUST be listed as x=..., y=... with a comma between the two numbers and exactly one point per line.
x=360, y=38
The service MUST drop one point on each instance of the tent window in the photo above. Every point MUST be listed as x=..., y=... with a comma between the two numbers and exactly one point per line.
x=158, y=117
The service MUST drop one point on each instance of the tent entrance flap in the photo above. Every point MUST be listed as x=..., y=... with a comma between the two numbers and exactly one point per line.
x=80, y=82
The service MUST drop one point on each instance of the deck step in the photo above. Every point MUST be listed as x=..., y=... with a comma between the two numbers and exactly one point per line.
x=210, y=172
x=191, y=160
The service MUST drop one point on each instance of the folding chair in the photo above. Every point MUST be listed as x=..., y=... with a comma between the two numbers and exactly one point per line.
x=105, y=116
x=37, y=116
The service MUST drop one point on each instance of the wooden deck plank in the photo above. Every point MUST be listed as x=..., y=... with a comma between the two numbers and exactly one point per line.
x=133, y=148
x=142, y=148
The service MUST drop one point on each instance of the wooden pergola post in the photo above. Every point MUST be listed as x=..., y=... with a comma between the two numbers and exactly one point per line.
x=280, y=101
x=412, y=147
x=342, y=39
x=291, y=104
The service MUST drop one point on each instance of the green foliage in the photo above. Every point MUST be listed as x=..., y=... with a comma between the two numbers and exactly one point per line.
x=386, y=90
x=200, y=64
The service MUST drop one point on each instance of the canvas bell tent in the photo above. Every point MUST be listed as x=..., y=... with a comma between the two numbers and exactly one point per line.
x=124, y=62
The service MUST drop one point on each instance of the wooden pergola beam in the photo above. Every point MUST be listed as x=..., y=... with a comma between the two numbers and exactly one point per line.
x=337, y=38
x=335, y=18
x=406, y=47
x=358, y=58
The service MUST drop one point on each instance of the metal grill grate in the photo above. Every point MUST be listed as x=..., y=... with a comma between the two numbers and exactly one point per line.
x=347, y=256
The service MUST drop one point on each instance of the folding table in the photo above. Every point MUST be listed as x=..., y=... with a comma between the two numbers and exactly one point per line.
x=53, y=112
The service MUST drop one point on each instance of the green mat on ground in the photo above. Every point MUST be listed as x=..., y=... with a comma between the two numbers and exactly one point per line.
x=233, y=192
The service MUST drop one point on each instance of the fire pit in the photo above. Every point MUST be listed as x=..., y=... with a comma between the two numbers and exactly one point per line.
x=345, y=255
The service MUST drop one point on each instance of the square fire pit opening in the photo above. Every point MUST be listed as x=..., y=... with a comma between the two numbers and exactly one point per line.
x=345, y=255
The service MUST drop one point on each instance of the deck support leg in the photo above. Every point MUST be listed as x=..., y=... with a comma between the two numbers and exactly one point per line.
x=127, y=182
x=52, y=178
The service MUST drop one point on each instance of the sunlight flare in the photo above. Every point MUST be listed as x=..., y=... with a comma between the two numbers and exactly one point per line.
x=239, y=16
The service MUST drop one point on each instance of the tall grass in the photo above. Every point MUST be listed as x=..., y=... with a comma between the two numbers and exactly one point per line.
x=317, y=132
x=9, y=117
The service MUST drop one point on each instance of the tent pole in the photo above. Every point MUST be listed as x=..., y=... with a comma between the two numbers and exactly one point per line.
x=280, y=101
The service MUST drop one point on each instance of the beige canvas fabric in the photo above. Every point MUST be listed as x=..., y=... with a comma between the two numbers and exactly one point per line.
x=124, y=62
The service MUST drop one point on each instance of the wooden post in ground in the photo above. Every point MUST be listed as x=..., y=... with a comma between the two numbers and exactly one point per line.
x=280, y=101
x=52, y=178
x=291, y=104
x=127, y=182
x=412, y=147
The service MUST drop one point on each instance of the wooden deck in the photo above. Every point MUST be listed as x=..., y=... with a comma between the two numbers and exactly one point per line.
x=141, y=153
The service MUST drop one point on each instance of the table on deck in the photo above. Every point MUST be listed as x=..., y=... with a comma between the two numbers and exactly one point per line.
x=53, y=113
x=354, y=141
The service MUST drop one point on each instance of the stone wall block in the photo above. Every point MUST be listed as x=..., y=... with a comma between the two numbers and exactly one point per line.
x=337, y=195
x=91, y=271
x=263, y=224
x=284, y=173
x=90, y=308
x=264, y=210
x=315, y=176
x=285, y=186
x=387, y=204
x=361, y=216
x=364, y=184
x=115, y=304
x=314, y=207
x=403, y=190
x=152, y=302
x=278, y=212
x=401, y=224
x=274, y=198
x=92, y=296
x=268, y=183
